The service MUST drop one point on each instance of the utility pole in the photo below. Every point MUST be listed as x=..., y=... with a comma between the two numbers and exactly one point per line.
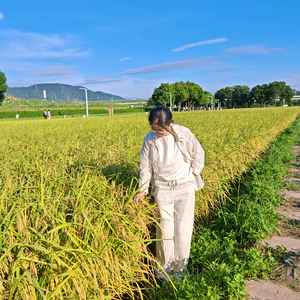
x=86, y=102
x=212, y=102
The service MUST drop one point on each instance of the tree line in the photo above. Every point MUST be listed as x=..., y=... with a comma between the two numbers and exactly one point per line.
x=189, y=94
x=275, y=93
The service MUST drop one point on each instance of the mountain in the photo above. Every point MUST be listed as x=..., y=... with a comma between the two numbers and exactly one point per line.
x=59, y=92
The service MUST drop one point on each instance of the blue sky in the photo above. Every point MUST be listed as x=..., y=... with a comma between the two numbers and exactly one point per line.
x=130, y=47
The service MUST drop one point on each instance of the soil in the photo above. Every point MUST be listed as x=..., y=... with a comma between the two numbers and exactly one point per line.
x=288, y=227
x=296, y=149
x=269, y=290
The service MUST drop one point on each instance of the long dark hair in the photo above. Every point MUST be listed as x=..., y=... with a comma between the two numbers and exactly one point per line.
x=161, y=116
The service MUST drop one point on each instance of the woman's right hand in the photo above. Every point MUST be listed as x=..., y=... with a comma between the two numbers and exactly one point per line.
x=139, y=197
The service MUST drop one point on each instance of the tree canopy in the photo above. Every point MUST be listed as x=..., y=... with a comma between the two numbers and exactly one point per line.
x=241, y=95
x=187, y=94
x=275, y=93
x=3, y=86
x=160, y=95
x=260, y=93
x=224, y=94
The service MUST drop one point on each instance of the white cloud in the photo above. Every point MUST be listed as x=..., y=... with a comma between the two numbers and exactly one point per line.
x=258, y=49
x=129, y=87
x=20, y=45
x=132, y=88
x=42, y=74
x=170, y=66
x=207, y=42
x=1, y=16
x=125, y=58
x=219, y=70
x=100, y=80
x=56, y=71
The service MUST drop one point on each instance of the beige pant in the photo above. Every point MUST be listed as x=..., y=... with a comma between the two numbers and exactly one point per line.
x=176, y=202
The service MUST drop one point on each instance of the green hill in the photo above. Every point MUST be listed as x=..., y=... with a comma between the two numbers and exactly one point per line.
x=59, y=92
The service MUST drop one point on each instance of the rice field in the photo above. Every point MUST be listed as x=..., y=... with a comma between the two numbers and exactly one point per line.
x=69, y=227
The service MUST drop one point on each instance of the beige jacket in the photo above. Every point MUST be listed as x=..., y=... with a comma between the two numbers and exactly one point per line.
x=189, y=146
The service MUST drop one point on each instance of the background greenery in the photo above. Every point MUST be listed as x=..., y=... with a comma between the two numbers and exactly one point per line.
x=191, y=95
x=275, y=93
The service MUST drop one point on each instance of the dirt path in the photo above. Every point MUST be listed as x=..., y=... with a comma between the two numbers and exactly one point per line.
x=285, y=285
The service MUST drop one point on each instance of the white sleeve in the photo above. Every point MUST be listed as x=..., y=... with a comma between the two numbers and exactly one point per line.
x=145, y=168
x=198, y=155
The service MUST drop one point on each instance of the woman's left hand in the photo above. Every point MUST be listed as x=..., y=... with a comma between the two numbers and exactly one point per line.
x=139, y=197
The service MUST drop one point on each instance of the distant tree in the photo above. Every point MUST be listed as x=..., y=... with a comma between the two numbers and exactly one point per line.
x=275, y=89
x=3, y=86
x=220, y=94
x=206, y=99
x=225, y=95
x=159, y=96
x=150, y=102
x=259, y=93
x=287, y=95
x=195, y=93
x=241, y=96
x=181, y=93
x=276, y=92
x=229, y=92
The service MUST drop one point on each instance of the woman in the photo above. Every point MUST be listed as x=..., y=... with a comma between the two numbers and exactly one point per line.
x=172, y=159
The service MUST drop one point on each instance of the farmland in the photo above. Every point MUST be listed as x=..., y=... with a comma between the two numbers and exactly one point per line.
x=31, y=108
x=70, y=229
x=16, y=104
